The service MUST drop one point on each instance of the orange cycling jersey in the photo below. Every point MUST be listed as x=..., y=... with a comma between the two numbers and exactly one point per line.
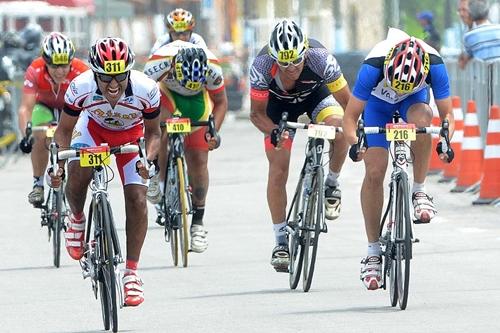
x=38, y=81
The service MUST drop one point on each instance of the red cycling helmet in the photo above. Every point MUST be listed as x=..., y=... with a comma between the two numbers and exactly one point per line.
x=406, y=66
x=111, y=56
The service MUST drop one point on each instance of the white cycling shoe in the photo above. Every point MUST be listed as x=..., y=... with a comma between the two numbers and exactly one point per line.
x=424, y=207
x=371, y=272
x=199, y=241
x=154, y=192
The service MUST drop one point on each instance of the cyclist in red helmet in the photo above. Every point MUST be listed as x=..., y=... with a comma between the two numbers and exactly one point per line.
x=116, y=105
x=45, y=83
x=396, y=75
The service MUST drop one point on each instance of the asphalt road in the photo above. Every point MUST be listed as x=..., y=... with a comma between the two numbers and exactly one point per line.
x=232, y=287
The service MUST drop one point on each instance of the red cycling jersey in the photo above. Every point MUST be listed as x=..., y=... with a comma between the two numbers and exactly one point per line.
x=38, y=81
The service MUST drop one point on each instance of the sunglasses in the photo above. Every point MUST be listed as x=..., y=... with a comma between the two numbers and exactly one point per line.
x=58, y=66
x=108, y=78
x=296, y=62
x=181, y=33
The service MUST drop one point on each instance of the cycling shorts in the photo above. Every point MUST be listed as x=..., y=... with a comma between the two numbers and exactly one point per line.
x=197, y=108
x=88, y=133
x=42, y=115
x=317, y=112
x=379, y=113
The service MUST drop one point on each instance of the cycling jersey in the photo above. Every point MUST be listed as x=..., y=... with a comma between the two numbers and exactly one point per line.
x=371, y=82
x=382, y=100
x=320, y=69
x=140, y=100
x=320, y=77
x=165, y=39
x=100, y=123
x=159, y=67
x=38, y=81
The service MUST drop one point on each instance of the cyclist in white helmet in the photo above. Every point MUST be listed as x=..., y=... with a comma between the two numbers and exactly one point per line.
x=395, y=75
x=298, y=75
x=180, y=24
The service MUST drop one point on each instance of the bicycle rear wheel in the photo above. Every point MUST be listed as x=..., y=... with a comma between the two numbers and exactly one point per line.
x=105, y=257
x=171, y=206
x=184, y=210
x=295, y=239
x=313, y=219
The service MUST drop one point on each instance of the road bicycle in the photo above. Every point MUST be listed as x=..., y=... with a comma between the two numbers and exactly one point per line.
x=306, y=216
x=396, y=228
x=176, y=203
x=8, y=125
x=102, y=247
x=54, y=210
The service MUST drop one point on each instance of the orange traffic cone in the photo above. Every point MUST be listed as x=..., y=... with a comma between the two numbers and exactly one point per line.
x=435, y=165
x=471, y=162
x=490, y=184
x=451, y=169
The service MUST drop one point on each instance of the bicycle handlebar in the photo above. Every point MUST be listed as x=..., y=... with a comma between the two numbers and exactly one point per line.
x=70, y=153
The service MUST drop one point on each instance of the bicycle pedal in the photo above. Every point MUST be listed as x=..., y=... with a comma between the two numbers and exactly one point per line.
x=281, y=269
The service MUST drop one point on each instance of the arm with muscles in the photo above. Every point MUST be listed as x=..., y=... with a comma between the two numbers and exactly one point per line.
x=350, y=126
x=219, y=111
x=259, y=118
x=152, y=137
x=28, y=102
x=441, y=88
x=63, y=138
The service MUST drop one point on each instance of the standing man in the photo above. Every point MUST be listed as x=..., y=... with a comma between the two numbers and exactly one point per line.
x=394, y=76
x=116, y=105
x=298, y=75
x=45, y=84
x=191, y=84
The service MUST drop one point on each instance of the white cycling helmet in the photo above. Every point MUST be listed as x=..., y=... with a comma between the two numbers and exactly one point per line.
x=287, y=42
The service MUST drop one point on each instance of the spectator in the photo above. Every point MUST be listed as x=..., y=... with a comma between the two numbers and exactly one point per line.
x=432, y=36
x=483, y=40
x=464, y=14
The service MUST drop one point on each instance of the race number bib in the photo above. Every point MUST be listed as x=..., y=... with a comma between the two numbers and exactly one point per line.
x=94, y=156
x=288, y=55
x=321, y=131
x=60, y=58
x=400, y=132
x=178, y=125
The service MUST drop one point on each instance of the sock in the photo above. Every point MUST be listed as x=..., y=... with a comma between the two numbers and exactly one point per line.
x=332, y=179
x=37, y=181
x=280, y=233
x=418, y=187
x=374, y=249
x=132, y=264
x=198, y=215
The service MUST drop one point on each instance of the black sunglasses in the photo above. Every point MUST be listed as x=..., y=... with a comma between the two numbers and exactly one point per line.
x=108, y=78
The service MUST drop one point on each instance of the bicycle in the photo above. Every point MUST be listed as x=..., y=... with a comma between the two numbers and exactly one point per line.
x=306, y=217
x=54, y=210
x=102, y=247
x=8, y=129
x=176, y=203
x=397, y=237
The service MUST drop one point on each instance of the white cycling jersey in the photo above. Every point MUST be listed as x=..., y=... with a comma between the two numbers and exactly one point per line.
x=141, y=99
x=159, y=67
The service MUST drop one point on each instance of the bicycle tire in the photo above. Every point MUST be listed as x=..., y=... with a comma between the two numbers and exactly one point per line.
x=404, y=244
x=57, y=224
x=183, y=201
x=313, y=218
x=295, y=240
x=170, y=204
x=108, y=283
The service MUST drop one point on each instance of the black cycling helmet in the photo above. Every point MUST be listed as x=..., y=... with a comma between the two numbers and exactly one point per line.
x=191, y=67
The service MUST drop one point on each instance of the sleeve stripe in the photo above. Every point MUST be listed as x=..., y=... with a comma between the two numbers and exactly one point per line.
x=151, y=114
x=259, y=95
x=337, y=84
x=71, y=112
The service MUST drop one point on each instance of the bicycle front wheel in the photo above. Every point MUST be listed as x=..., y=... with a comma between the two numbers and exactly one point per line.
x=57, y=223
x=184, y=211
x=106, y=263
x=295, y=239
x=403, y=246
x=313, y=219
